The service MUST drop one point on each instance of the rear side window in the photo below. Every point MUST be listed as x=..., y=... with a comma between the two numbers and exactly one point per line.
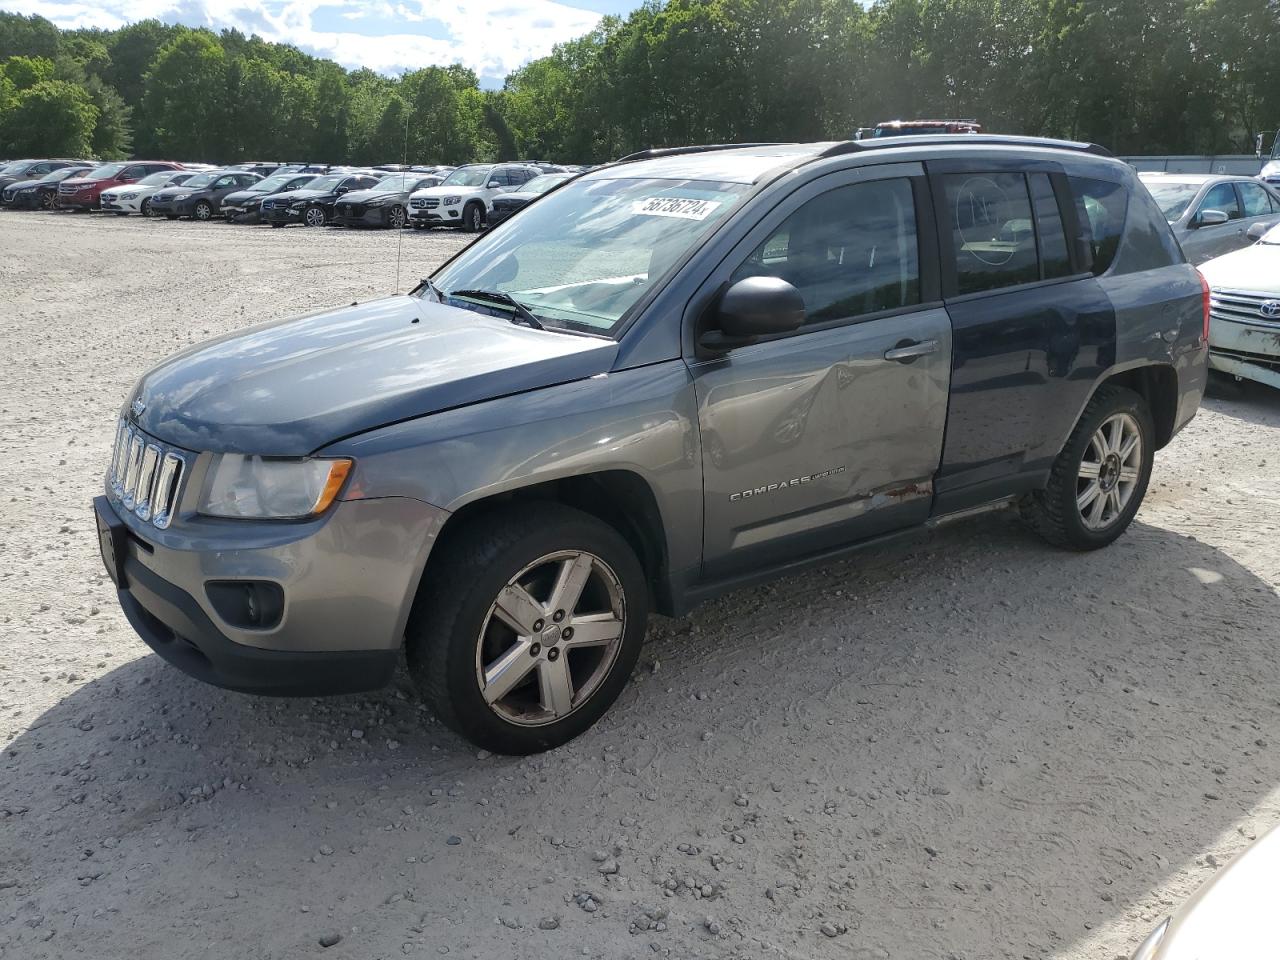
x=1054, y=261
x=1255, y=200
x=851, y=251
x=1100, y=209
x=992, y=230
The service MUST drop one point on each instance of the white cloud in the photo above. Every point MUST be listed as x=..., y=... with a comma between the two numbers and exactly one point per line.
x=492, y=37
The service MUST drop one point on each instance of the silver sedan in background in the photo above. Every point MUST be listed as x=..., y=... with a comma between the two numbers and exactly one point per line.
x=1213, y=214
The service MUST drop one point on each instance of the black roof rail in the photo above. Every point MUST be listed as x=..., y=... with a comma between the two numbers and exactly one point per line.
x=655, y=152
x=962, y=139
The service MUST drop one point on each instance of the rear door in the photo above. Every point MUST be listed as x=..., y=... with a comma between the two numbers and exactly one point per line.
x=833, y=433
x=1031, y=326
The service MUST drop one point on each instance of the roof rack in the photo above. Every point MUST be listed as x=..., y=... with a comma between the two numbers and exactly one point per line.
x=962, y=139
x=654, y=152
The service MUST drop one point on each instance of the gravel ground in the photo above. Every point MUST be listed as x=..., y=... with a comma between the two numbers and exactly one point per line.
x=974, y=747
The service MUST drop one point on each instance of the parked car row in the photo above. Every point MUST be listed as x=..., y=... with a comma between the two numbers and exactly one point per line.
x=471, y=196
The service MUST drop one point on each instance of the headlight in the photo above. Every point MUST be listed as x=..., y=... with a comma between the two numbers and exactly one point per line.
x=183, y=196
x=1147, y=949
x=297, y=205
x=265, y=488
x=451, y=201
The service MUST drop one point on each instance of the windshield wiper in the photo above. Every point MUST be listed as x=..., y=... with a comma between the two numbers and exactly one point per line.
x=522, y=314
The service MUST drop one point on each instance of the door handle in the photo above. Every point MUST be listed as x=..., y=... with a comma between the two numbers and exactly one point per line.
x=907, y=351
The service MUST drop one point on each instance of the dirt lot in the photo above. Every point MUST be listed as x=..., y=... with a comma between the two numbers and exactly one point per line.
x=976, y=747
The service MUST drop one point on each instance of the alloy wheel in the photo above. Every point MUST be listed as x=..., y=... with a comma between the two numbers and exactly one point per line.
x=47, y=201
x=550, y=638
x=1109, y=471
x=203, y=211
x=397, y=218
x=314, y=217
x=145, y=209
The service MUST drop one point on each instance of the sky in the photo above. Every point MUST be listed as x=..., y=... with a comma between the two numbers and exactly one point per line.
x=492, y=37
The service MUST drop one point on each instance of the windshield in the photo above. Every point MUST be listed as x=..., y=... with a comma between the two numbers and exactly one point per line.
x=1173, y=197
x=201, y=180
x=467, y=177
x=105, y=172
x=58, y=175
x=156, y=179
x=583, y=255
x=272, y=183
x=544, y=183
x=326, y=183
x=400, y=182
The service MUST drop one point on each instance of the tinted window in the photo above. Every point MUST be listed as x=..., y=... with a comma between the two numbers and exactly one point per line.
x=1221, y=197
x=1255, y=200
x=1054, y=261
x=1100, y=209
x=993, y=239
x=849, y=252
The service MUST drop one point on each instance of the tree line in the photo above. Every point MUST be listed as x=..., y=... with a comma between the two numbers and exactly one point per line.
x=1138, y=76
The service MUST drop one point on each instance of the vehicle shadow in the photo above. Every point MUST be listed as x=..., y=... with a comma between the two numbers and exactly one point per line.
x=1245, y=400
x=975, y=746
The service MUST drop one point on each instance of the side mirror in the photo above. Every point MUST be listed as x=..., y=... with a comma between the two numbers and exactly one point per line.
x=753, y=308
x=341, y=190
x=1211, y=218
x=1256, y=231
x=494, y=184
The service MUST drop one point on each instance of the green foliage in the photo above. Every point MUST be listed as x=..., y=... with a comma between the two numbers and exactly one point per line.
x=26, y=72
x=52, y=118
x=1139, y=76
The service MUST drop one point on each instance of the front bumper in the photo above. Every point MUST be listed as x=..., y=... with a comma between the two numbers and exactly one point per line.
x=241, y=213
x=345, y=216
x=347, y=580
x=170, y=208
x=1248, y=350
x=78, y=201
x=116, y=205
x=436, y=217
x=282, y=215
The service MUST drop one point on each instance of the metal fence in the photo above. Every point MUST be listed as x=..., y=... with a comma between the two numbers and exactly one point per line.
x=1238, y=163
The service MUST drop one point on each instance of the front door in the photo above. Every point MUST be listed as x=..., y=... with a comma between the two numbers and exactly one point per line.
x=1209, y=240
x=831, y=434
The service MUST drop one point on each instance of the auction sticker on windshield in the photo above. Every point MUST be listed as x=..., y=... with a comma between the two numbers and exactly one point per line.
x=686, y=208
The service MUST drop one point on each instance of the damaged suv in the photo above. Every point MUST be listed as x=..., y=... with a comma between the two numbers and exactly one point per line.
x=678, y=374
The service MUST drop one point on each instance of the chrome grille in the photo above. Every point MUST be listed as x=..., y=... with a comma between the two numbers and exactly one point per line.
x=425, y=203
x=1242, y=306
x=145, y=477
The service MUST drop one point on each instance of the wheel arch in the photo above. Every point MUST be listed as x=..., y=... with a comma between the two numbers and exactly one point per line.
x=1157, y=384
x=620, y=498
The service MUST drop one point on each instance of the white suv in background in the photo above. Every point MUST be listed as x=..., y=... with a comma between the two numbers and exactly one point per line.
x=465, y=197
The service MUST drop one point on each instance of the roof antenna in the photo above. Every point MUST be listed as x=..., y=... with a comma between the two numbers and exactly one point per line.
x=404, y=180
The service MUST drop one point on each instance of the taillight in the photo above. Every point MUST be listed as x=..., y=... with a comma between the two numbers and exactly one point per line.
x=1204, y=305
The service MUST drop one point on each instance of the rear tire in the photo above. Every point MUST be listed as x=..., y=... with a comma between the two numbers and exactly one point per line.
x=1098, y=481
x=561, y=670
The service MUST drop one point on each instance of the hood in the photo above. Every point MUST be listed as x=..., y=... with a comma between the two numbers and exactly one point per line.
x=1254, y=268
x=302, y=193
x=20, y=184
x=1271, y=169
x=291, y=387
x=369, y=196
x=245, y=196
x=168, y=193
x=1233, y=914
x=514, y=197
x=441, y=191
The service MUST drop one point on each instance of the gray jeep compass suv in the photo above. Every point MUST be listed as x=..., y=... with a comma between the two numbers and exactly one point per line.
x=675, y=375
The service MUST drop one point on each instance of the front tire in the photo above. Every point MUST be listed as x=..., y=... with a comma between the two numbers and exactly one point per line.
x=1099, y=479
x=48, y=201
x=145, y=208
x=314, y=217
x=472, y=218
x=527, y=627
x=396, y=217
x=203, y=211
